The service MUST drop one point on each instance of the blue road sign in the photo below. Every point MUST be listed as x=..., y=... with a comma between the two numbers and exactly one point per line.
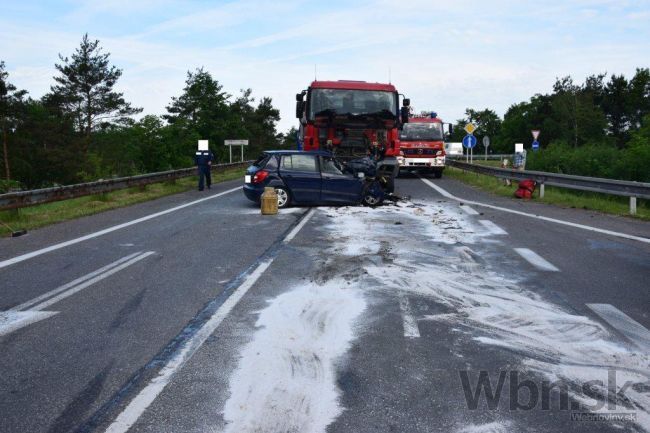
x=535, y=145
x=469, y=141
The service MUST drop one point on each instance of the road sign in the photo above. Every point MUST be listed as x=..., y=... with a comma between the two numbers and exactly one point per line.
x=470, y=128
x=469, y=141
x=231, y=143
x=486, y=141
x=535, y=133
x=235, y=142
x=535, y=145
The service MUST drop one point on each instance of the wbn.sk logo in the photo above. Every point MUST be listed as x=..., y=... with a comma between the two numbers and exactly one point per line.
x=527, y=394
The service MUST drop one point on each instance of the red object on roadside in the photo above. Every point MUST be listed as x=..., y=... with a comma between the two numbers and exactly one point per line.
x=526, y=188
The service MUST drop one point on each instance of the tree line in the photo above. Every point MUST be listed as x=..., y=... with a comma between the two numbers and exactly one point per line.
x=597, y=128
x=83, y=129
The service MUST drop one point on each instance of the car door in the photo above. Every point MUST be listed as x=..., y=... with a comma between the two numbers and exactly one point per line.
x=336, y=186
x=301, y=175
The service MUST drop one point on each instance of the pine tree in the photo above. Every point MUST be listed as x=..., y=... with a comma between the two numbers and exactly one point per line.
x=86, y=88
x=10, y=99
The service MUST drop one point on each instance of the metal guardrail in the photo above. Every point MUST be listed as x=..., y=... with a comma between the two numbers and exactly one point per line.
x=15, y=200
x=625, y=188
x=478, y=156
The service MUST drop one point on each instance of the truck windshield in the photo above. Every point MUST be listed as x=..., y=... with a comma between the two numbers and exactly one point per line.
x=422, y=132
x=332, y=102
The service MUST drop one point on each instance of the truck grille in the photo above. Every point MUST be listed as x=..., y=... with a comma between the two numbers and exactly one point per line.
x=419, y=151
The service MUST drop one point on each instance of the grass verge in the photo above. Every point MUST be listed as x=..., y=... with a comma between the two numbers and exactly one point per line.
x=557, y=196
x=49, y=213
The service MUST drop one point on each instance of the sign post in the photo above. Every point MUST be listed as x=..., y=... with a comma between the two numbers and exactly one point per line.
x=486, y=144
x=469, y=141
x=231, y=143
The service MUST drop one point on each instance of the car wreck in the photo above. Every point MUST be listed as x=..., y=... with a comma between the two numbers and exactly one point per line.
x=314, y=178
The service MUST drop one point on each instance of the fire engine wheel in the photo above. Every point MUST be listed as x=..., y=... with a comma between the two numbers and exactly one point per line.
x=283, y=197
x=437, y=174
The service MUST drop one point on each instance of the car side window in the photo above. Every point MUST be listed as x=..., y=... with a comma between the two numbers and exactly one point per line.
x=329, y=165
x=299, y=163
x=272, y=163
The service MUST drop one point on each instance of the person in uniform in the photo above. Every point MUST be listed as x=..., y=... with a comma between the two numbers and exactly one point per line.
x=203, y=160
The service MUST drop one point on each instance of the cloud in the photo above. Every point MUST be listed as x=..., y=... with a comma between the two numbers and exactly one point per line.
x=445, y=56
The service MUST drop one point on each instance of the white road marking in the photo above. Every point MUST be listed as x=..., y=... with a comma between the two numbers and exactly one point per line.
x=148, y=394
x=493, y=228
x=71, y=291
x=536, y=260
x=468, y=210
x=58, y=246
x=73, y=283
x=633, y=330
x=411, y=329
x=299, y=227
x=15, y=319
x=445, y=193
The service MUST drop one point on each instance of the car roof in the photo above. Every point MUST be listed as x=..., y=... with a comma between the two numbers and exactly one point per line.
x=298, y=152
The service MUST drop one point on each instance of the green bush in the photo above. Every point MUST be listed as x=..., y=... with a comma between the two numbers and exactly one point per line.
x=597, y=160
x=8, y=185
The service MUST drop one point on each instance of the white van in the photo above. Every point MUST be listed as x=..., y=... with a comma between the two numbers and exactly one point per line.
x=454, y=148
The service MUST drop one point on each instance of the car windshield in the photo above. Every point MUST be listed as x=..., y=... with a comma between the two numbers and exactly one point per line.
x=326, y=102
x=422, y=132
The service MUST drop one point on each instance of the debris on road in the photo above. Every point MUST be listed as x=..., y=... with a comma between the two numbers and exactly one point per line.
x=287, y=381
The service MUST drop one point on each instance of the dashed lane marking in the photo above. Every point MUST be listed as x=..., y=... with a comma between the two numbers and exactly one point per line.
x=630, y=328
x=468, y=210
x=536, y=260
x=493, y=228
x=411, y=329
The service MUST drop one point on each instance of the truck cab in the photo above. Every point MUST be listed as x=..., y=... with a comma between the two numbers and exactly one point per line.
x=422, y=145
x=353, y=119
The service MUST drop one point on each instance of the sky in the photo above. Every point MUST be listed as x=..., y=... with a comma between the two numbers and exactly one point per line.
x=444, y=55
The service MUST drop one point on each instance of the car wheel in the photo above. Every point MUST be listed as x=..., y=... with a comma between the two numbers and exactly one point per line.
x=283, y=197
x=371, y=200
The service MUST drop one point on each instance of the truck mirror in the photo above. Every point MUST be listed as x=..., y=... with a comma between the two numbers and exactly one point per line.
x=451, y=129
x=406, y=102
x=299, y=109
x=299, y=97
x=404, y=112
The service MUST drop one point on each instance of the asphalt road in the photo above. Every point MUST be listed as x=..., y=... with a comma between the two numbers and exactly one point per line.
x=211, y=317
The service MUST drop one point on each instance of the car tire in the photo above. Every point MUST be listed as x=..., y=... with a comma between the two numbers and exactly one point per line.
x=284, y=198
x=371, y=201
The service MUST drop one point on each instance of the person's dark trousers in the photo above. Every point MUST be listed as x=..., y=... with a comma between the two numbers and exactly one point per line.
x=204, y=176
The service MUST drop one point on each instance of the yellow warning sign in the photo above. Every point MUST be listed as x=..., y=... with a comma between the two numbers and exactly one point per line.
x=470, y=128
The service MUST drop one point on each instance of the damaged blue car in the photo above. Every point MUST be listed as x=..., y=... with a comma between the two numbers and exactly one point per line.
x=313, y=178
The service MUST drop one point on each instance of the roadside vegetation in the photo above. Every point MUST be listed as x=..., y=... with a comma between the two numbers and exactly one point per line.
x=83, y=129
x=29, y=218
x=556, y=196
x=600, y=128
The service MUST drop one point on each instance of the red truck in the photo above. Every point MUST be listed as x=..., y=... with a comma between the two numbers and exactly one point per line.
x=353, y=119
x=422, y=146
